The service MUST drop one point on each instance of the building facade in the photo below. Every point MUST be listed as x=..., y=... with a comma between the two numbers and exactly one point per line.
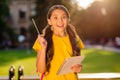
x=21, y=12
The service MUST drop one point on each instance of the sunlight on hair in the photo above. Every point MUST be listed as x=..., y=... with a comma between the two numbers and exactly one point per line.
x=86, y=3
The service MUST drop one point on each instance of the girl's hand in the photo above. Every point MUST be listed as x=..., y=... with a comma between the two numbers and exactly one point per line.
x=42, y=41
x=76, y=68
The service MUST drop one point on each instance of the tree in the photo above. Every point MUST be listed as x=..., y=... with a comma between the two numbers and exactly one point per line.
x=96, y=25
x=6, y=32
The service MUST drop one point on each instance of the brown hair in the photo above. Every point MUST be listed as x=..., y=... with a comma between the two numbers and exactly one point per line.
x=48, y=36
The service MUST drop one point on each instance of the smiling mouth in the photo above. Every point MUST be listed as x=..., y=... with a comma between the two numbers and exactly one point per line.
x=59, y=25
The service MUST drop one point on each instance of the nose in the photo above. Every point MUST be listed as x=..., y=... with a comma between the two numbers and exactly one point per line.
x=60, y=20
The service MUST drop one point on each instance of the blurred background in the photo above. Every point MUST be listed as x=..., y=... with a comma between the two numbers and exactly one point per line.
x=97, y=22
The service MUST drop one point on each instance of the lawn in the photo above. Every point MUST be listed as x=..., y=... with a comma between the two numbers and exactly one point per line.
x=95, y=61
x=17, y=58
x=100, y=61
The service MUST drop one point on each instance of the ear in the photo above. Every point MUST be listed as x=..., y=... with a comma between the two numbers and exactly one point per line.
x=49, y=22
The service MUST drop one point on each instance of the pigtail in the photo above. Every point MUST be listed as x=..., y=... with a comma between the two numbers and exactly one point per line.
x=49, y=52
x=73, y=39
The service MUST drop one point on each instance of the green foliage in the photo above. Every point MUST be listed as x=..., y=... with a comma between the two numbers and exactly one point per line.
x=96, y=25
x=4, y=17
x=4, y=7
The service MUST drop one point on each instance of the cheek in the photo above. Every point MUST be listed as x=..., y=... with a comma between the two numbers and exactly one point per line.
x=53, y=22
x=66, y=22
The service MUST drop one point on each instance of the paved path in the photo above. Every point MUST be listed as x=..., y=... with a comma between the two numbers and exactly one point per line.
x=104, y=47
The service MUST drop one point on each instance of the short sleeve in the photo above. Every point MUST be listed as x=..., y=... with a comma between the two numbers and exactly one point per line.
x=81, y=44
x=36, y=46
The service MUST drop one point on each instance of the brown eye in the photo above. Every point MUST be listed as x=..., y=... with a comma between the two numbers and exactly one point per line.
x=64, y=17
x=55, y=18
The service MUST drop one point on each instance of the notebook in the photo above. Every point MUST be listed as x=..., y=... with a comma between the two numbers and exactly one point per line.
x=66, y=66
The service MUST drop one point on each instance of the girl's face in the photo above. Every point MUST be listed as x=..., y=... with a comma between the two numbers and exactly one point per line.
x=58, y=21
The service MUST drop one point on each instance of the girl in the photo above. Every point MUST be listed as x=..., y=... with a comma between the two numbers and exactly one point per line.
x=58, y=41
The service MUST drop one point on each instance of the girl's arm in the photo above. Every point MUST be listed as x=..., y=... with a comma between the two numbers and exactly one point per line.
x=41, y=55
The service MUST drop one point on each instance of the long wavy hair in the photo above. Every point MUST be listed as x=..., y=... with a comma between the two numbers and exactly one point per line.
x=47, y=33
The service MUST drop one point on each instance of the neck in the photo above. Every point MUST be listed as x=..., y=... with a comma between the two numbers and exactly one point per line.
x=61, y=34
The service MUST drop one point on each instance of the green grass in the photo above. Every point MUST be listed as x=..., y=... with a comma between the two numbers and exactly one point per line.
x=100, y=61
x=17, y=58
x=95, y=61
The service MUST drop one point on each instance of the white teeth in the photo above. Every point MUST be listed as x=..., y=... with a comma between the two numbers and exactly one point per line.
x=60, y=25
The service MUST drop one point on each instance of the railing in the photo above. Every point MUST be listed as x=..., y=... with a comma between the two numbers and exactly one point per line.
x=12, y=73
x=99, y=76
x=81, y=76
x=84, y=76
x=4, y=78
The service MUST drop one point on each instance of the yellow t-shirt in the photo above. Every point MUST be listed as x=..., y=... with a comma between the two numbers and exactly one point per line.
x=62, y=50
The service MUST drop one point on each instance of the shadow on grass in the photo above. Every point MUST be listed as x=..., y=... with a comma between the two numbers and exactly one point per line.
x=9, y=56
